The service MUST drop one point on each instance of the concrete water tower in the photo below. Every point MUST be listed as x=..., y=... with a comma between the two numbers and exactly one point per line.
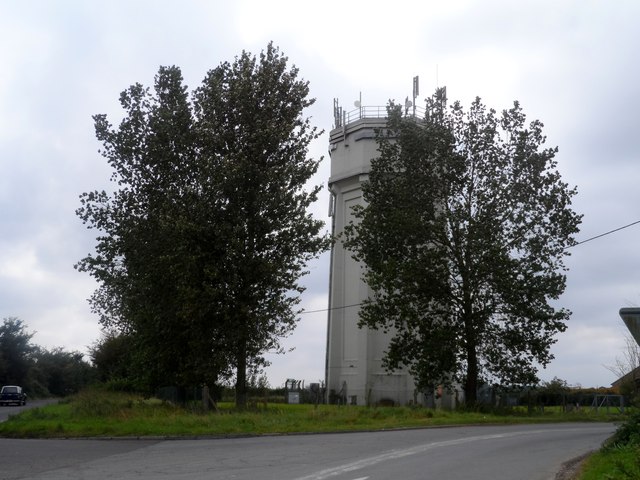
x=354, y=372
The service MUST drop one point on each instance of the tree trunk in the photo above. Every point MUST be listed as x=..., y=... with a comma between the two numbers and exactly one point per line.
x=471, y=382
x=241, y=351
x=241, y=377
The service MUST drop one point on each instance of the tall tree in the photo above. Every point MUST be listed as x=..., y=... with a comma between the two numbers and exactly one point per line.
x=16, y=351
x=463, y=235
x=206, y=238
x=58, y=372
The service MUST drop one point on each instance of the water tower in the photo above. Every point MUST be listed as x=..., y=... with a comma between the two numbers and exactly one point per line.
x=354, y=372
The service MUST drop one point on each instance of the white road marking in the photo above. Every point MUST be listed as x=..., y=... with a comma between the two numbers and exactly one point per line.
x=395, y=454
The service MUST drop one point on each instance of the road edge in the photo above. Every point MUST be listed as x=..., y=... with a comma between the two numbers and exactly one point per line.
x=569, y=470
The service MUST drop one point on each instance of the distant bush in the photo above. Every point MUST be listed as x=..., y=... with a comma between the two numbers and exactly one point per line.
x=121, y=385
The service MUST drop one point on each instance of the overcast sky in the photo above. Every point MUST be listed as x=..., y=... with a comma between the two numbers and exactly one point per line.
x=572, y=64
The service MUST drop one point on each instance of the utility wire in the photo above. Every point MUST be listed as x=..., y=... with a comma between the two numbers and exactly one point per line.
x=574, y=245
x=332, y=308
x=606, y=233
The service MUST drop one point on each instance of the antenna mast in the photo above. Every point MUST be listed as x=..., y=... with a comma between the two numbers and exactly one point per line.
x=416, y=92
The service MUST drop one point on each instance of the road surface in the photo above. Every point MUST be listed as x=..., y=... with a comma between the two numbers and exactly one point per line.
x=527, y=452
x=6, y=410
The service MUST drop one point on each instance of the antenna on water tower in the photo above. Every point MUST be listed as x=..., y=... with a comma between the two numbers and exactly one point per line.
x=407, y=105
x=416, y=92
x=358, y=104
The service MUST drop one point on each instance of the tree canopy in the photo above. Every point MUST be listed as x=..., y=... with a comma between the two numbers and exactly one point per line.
x=204, y=240
x=42, y=372
x=463, y=237
x=16, y=351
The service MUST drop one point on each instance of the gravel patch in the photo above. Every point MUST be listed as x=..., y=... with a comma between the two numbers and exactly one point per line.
x=569, y=469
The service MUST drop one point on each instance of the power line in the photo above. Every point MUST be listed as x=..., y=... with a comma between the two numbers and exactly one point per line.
x=332, y=308
x=606, y=233
x=570, y=246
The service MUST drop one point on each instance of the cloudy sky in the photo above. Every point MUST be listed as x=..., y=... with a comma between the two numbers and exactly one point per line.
x=572, y=64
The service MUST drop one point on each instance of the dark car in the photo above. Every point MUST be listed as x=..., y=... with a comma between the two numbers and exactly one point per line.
x=12, y=394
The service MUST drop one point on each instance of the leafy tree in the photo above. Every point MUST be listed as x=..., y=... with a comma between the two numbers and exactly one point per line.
x=553, y=392
x=16, y=351
x=113, y=357
x=59, y=373
x=40, y=371
x=204, y=241
x=463, y=235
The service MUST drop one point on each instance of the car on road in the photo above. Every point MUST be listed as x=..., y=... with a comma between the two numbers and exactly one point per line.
x=12, y=394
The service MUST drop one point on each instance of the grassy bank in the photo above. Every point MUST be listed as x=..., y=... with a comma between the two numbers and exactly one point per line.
x=98, y=413
x=621, y=463
x=619, y=459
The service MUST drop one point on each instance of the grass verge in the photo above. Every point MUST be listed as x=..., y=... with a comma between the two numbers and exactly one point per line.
x=619, y=459
x=95, y=413
x=620, y=463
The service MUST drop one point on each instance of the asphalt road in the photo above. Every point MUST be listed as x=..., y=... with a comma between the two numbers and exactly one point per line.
x=527, y=452
x=6, y=410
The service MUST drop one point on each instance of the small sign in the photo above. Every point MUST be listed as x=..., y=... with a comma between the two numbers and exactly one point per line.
x=294, y=397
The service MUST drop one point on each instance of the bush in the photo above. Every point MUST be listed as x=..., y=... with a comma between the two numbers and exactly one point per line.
x=121, y=385
x=94, y=402
x=628, y=434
